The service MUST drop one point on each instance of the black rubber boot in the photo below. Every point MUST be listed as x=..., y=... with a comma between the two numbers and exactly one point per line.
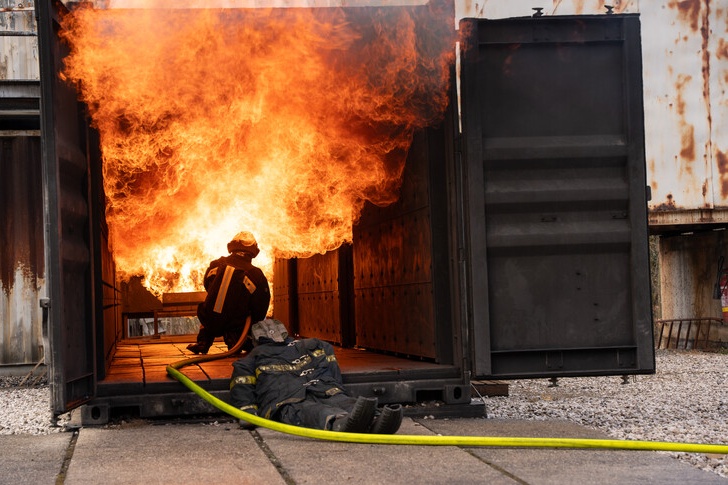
x=389, y=421
x=198, y=348
x=359, y=419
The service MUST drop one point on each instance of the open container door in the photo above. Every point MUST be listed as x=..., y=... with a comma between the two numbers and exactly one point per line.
x=69, y=321
x=556, y=210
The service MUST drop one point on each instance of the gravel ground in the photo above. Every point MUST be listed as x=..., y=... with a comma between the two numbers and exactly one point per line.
x=685, y=401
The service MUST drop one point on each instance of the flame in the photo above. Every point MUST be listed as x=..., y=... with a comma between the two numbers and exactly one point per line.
x=282, y=122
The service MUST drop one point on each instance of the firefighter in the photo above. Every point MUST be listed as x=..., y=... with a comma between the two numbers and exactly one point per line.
x=299, y=382
x=235, y=289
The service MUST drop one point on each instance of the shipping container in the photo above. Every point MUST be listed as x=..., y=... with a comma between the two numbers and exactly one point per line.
x=517, y=247
x=21, y=204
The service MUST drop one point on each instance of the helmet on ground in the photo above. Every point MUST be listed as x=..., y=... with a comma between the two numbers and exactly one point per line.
x=244, y=242
x=269, y=330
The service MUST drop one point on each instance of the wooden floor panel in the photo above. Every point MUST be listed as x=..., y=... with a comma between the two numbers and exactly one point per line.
x=144, y=360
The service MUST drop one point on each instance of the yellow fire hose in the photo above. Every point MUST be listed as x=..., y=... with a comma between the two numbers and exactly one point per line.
x=397, y=439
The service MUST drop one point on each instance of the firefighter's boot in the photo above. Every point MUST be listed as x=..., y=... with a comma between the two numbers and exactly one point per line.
x=389, y=421
x=199, y=348
x=359, y=419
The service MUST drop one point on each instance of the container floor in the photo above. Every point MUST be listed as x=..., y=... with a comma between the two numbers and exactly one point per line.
x=143, y=360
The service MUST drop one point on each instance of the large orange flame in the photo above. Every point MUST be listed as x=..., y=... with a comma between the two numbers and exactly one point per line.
x=282, y=122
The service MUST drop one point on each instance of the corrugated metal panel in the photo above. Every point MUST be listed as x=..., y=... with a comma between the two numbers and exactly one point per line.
x=22, y=272
x=685, y=79
x=21, y=250
x=498, y=9
x=553, y=148
x=677, y=105
x=18, y=40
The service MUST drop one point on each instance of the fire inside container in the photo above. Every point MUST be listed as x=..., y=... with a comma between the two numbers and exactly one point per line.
x=429, y=254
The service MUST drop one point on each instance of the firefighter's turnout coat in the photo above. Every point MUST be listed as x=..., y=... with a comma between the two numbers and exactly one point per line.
x=275, y=374
x=235, y=289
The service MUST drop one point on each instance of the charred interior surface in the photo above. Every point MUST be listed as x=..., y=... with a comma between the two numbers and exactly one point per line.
x=400, y=285
x=323, y=296
x=386, y=291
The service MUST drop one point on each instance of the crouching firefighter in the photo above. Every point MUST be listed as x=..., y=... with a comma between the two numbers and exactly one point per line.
x=235, y=289
x=299, y=382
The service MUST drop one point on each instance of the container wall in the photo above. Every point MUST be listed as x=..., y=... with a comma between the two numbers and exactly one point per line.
x=689, y=268
x=389, y=290
x=22, y=270
x=557, y=216
x=685, y=72
x=18, y=40
x=685, y=80
x=323, y=299
x=72, y=219
x=401, y=285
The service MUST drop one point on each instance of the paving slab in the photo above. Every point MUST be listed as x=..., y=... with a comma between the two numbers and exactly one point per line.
x=35, y=459
x=168, y=454
x=221, y=453
x=571, y=466
x=307, y=461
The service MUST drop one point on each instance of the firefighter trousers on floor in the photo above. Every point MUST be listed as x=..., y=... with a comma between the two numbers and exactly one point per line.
x=315, y=411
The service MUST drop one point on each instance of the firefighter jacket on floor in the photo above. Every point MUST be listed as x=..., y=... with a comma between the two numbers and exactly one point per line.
x=235, y=289
x=275, y=374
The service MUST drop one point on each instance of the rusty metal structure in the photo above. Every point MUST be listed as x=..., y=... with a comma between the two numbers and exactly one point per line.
x=22, y=267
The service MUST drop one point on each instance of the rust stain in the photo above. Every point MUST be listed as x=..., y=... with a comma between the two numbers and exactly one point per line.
x=620, y=6
x=705, y=33
x=687, y=142
x=688, y=11
x=21, y=205
x=668, y=205
x=687, y=131
x=721, y=51
x=722, y=159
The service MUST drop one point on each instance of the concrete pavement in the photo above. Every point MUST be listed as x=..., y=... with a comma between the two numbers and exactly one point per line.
x=144, y=452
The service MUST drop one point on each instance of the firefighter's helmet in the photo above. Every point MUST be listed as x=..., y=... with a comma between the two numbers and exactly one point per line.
x=244, y=242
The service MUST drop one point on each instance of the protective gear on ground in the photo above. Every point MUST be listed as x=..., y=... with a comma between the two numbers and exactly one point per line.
x=268, y=331
x=299, y=382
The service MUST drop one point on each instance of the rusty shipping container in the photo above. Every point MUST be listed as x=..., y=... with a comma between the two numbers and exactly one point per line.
x=518, y=247
x=22, y=271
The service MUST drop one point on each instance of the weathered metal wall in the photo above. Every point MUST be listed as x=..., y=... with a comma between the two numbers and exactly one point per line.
x=685, y=75
x=22, y=272
x=21, y=249
x=688, y=272
x=18, y=40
